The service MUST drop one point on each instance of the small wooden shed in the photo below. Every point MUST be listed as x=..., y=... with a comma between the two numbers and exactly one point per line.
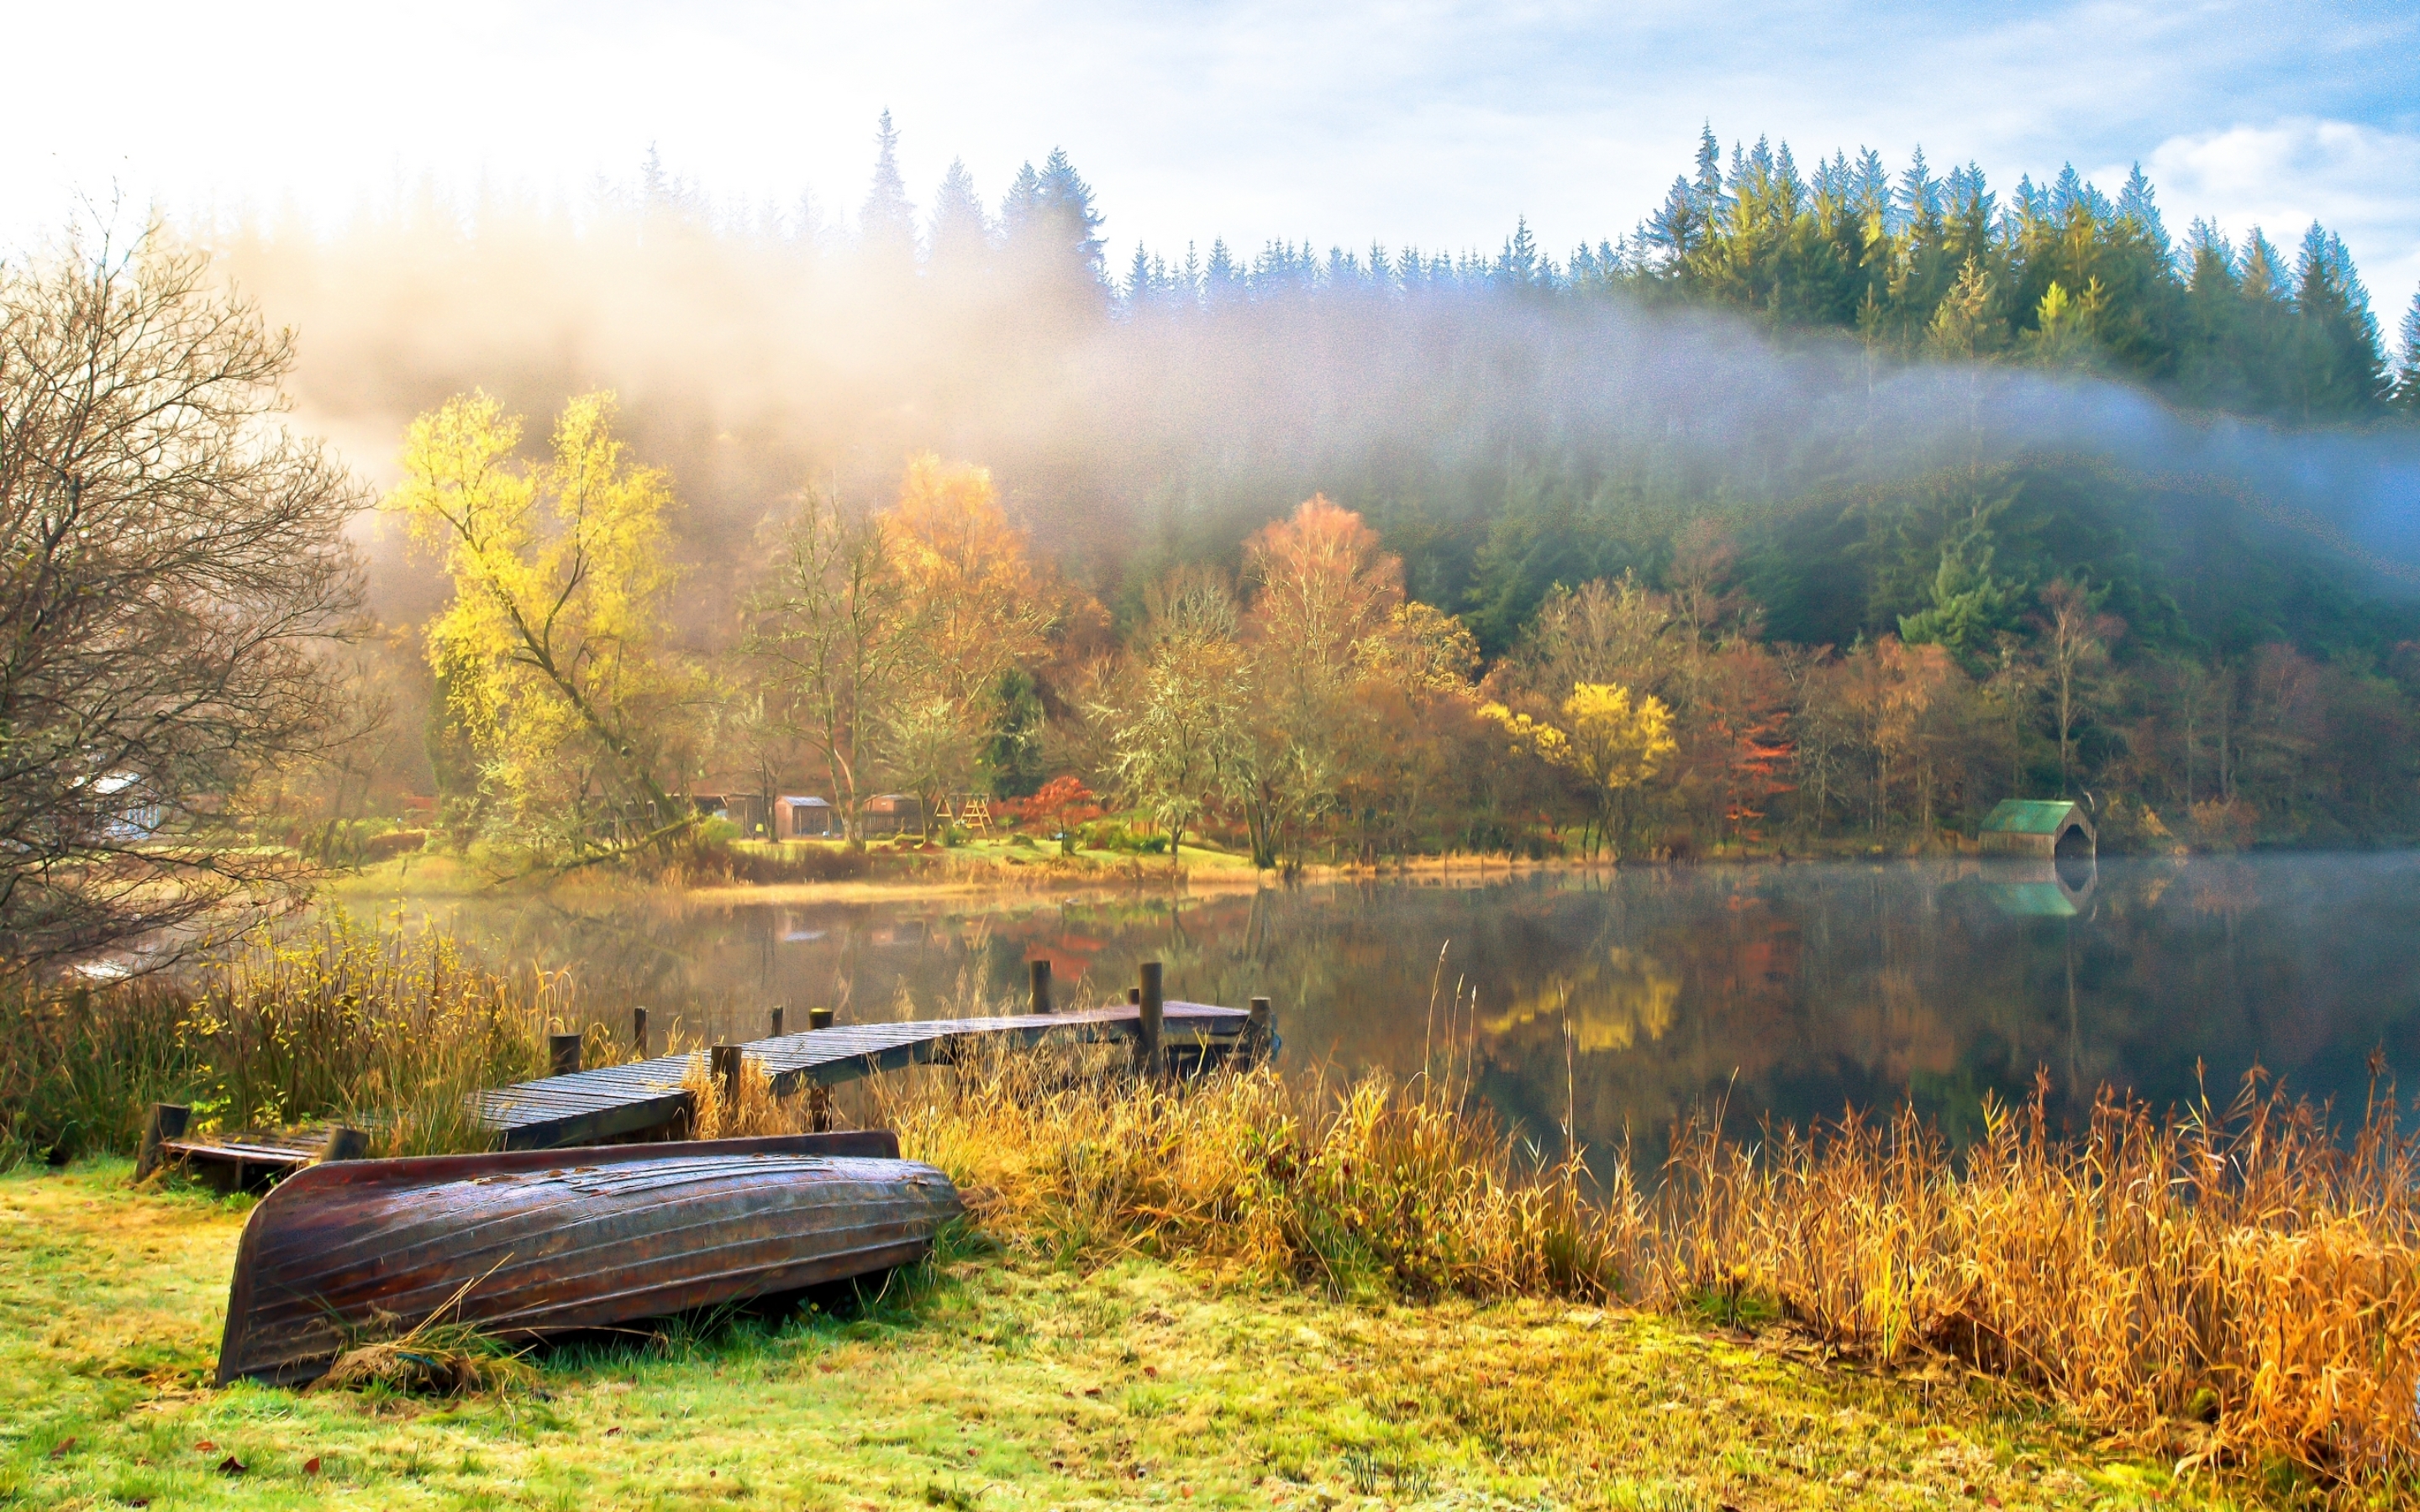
x=893, y=814
x=2043, y=830
x=802, y=818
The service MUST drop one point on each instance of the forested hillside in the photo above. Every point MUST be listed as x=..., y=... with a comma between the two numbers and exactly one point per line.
x=1923, y=266
x=1881, y=497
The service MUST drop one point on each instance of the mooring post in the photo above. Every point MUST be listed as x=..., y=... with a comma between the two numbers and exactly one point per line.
x=1134, y=994
x=777, y=1022
x=563, y=1055
x=1147, y=1025
x=345, y=1142
x=725, y=1065
x=1041, y=971
x=1260, y=1026
x=819, y=1018
x=638, y=1032
x=166, y=1121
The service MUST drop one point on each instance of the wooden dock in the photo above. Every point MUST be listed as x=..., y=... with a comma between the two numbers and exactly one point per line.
x=617, y=1102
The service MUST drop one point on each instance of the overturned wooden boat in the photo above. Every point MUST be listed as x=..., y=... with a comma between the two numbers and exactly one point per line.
x=542, y=1241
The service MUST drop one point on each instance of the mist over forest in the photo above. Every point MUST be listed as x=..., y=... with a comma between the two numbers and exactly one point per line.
x=1161, y=413
x=1895, y=401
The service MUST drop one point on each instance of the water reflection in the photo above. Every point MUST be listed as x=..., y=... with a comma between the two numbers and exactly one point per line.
x=2060, y=888
x=1790, y=990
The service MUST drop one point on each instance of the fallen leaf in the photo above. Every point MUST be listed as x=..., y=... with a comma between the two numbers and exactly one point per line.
x=232, y=1466
x=204, y=1446
x=311, y=1466
x=60, y=1451
x=138, y=1501
x=1152, y=1370
x=1091, y=1391
x=615, y=1428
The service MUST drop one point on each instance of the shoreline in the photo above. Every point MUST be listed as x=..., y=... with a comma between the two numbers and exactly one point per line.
x=984, y=876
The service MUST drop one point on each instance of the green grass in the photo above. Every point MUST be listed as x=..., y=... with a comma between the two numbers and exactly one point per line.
x=994, y=1380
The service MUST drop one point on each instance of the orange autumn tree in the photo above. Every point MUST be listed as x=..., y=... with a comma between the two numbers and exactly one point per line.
x=1325, y=593
x=1901, y=697
x=976, y=610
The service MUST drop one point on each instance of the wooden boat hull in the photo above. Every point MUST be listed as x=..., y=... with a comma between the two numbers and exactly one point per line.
x=551, y=1241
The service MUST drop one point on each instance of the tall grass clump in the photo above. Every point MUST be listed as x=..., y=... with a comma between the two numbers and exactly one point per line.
x=1366, y=1188
x=394, y=1029
x=2233, y=1286
x=397, y=1029
x=78, y=1067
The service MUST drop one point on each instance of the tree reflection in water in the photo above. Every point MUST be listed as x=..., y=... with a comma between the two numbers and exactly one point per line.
x=1795, y=991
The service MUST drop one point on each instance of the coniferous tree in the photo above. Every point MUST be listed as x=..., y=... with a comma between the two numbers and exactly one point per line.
x=2266, y=312
x=2407, y=361
x=960, y=234
x=886, y=226
x=1140, y=286
x=2208, y=361
x=1519, y=266
x=1676, y=227
x=1707, y=189
x=2340, y=371
x=1221, y=280
x=1019, y=206
x=1917, y=263
x=1064, y=204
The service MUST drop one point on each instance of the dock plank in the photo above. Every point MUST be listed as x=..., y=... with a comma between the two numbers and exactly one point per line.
x=614, y=1101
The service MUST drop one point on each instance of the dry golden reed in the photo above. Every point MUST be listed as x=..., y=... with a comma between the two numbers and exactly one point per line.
x=2233, y=1287
x=1377, y=1188
x=754, y=1112
x=392, y=1029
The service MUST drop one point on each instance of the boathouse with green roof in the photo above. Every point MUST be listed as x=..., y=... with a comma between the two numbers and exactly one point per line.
x=2043, y=830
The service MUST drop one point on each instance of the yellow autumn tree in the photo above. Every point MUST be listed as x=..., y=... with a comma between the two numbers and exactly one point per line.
x=550, y=653
x=1607, y=735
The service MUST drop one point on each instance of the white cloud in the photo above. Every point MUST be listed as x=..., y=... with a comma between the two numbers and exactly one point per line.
x=2357, y=180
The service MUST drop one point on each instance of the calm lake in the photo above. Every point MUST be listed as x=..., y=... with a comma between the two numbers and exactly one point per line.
x=1620, y=998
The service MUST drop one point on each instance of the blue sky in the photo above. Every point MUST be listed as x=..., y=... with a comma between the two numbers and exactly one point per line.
x=1430, y=124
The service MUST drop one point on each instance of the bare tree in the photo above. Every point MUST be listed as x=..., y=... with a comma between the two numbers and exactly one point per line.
x=826, y=630
x=171, y=567
x=1178, y=723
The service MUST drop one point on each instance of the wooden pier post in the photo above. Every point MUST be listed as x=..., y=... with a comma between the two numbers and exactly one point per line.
x=819, y=1018
x=563, y=1055
x=725, y=1065
x=638, y=1032
x=345, y=1142
x=1259, y=1031
x=777, y=1022
x=819, y=1109
x=1134, y=994
x=1148, y=1059
x=1041, y=972
x=166, y=1121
